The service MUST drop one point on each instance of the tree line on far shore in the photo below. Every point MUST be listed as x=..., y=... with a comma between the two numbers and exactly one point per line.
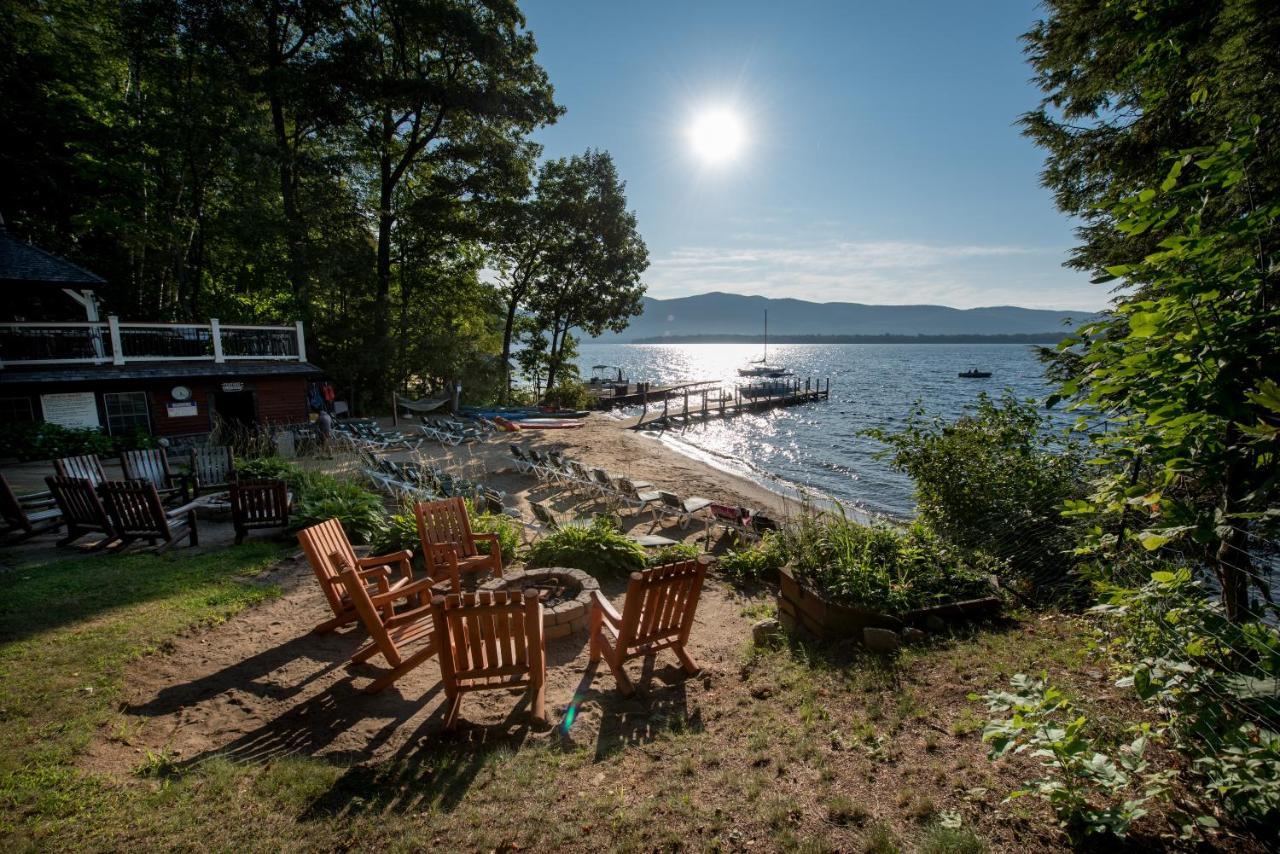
x=363, y=166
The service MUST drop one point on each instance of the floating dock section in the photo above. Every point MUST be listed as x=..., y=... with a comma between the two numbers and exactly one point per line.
x=702, y=401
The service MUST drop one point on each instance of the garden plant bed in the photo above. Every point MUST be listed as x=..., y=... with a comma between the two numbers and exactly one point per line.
x=565, y=593
x=802, y=608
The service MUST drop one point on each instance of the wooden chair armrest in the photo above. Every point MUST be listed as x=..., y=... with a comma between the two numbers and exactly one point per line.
x=422, y=585
x=385, y=560
x=607, y=609
x=376, y=571
x=185, y=508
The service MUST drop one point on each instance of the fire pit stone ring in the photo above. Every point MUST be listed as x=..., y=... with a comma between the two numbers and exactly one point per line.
x=566, y=596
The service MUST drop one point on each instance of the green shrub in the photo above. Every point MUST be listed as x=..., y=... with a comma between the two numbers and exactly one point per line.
x=42, y=441
x=322, y=497
x=400, y=533
x=995, y=480
x=273, y=468
x=760, y=562
x=569, y=394
x=879, y=567
x=507, y=529
x=1213, y=679
x=599, y=549
x=677, y=553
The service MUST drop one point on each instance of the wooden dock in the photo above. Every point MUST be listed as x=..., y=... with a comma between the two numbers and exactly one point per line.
x=702, y=401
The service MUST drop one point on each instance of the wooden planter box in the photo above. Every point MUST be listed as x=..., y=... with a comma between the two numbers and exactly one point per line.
x=801, y=608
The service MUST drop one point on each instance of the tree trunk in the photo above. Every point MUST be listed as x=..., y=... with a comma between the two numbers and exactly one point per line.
x=553, y=354
x=295, y=229
x=1233, y=564
x=512, y=304
x=379, y=381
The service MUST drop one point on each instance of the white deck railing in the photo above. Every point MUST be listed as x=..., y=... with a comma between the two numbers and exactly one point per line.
x=116, y=343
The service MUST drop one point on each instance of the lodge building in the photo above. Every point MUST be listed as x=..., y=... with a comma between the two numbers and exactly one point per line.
x=173, y=380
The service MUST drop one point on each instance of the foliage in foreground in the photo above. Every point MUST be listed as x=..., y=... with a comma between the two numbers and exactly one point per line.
x=1090, y=790
x=753, y=564
x=880, y=567
x=1216, y=682
x=46, y=441
x=995, y=480
x=599, y=548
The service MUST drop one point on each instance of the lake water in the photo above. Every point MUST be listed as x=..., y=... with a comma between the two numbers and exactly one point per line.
x=817, y=447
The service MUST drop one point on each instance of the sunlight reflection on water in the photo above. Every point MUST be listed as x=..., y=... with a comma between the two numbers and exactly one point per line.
x=817, y=447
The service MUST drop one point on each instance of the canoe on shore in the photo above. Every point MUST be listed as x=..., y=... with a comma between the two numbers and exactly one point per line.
x=549, y=423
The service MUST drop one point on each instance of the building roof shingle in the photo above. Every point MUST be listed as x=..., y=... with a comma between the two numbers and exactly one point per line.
x=26, y=264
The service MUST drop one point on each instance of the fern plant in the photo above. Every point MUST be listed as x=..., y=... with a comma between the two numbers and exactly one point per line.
x=599, y=548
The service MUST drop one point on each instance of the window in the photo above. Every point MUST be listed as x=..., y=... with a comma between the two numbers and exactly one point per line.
x=126, y=412
x=16, y=410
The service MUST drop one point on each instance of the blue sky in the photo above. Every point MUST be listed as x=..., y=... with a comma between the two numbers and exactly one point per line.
x=882, y=162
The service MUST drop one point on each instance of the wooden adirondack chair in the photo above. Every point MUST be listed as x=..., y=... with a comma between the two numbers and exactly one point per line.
x=212, y=467
x=82, y=509
x=388, y=631
x=87, y=467
x=491, y=641
x=31, y=514
x=152, y=465
x=321, y=541
x=137, y=514
x=657, y=614
x=447, y=540
x=257, y=504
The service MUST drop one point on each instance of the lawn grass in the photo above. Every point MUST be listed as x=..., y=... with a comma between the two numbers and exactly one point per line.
x=797, y=748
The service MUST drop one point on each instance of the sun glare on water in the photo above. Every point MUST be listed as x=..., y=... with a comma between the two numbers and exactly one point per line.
x=717, y=136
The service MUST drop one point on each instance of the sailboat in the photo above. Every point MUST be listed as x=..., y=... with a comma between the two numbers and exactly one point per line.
x=761, y=367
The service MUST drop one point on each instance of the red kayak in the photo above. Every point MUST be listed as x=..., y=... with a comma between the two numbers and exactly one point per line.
x=549, y=423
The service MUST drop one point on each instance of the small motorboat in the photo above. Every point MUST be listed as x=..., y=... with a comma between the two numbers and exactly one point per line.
x=975, y=374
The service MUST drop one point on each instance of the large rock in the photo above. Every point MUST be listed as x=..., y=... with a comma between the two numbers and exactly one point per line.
x=766, y=631
x=880, y=640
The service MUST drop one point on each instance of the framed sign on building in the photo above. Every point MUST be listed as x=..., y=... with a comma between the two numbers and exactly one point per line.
x=71, y=409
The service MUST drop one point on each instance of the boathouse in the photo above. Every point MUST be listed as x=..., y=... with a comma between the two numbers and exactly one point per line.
x=167, y=379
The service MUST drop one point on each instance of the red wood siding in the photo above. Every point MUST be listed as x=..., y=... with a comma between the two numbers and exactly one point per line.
x=163, y=425
x=282, y=400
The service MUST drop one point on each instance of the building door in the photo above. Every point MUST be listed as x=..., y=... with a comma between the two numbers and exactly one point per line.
x=235, y=408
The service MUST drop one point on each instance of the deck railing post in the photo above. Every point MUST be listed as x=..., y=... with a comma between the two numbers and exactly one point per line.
x=117, y=345
x=302, y=341
x=215, y=332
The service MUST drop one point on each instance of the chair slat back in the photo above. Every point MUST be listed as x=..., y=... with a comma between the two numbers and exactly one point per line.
x=212, y=465
x=10, y=507
x=79, y=502
x=369, y=614
x=320, y=542
x=488, y=635
x=87, y=467
x=151, y=464
x=445, y=522
x=135, y=509
x=260, y=502
x=661, y=602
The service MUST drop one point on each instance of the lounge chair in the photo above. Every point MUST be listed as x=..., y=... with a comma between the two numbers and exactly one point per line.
x=657, y=614
x=258, y=504
x=524, y=465
x=388, y=631
x=137, y=514
x=152, y=465
x=212, y=467
x=87, y=467
x=31, y=514
x=491, y=642
x=682, y=509
x=739, y=520
x=634, y=497
x=82, y=510
x=321, y=541
x=448, y=543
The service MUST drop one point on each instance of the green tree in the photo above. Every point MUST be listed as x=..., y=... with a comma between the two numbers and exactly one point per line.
x=1187, y=372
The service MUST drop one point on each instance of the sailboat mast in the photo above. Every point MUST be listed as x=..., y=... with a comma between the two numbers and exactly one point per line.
x=766, y=336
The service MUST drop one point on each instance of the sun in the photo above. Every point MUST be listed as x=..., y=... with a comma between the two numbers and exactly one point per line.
x=717, y=136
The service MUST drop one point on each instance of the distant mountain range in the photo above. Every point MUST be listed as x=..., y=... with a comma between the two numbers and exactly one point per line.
x=715, y=315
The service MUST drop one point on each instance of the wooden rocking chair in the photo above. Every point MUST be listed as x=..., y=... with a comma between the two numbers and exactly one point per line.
x=491, y=641
x=137, y=514
x=447, y=540
x=388, y=631
x=212, y=467
x=657, y=614
x=152, y=465
x=31, y=514
x=257, y=504
x=82, y=510
x=87, y=467
x=321, y=541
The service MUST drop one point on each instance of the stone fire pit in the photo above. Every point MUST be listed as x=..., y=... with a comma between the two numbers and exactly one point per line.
x=566, y=596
